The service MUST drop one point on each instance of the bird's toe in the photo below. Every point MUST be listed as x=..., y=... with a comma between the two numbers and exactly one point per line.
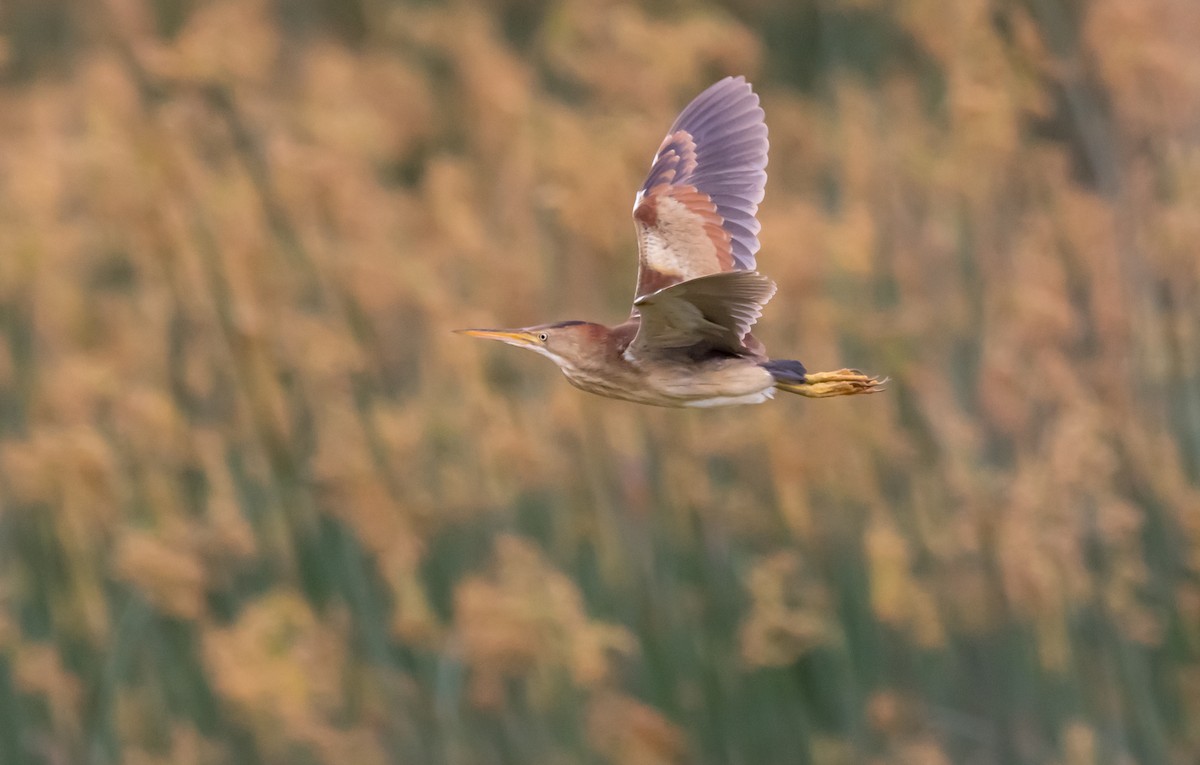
x=843, y=382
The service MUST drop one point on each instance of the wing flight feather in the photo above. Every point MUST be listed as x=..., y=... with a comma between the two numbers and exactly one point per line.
x=695, y=213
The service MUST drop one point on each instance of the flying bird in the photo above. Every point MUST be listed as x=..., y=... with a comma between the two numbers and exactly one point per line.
x=687, y=341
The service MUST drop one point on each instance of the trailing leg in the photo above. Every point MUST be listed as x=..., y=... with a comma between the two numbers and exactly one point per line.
x=792, y=377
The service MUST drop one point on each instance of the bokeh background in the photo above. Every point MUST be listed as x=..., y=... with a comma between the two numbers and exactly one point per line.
x=260, y=506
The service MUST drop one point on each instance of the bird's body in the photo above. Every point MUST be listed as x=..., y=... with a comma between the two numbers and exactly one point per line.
x=687, y=342
x=693, y=376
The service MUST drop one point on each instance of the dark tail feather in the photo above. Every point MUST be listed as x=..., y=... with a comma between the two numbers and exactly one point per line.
x=785, y=370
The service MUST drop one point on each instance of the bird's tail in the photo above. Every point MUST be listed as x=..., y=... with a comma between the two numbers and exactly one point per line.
x=792, y=377
x=785, y=371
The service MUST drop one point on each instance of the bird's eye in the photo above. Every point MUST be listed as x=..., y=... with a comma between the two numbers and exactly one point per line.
x=543, y=336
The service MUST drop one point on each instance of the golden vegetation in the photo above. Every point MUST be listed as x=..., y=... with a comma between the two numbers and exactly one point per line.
x=258, y=505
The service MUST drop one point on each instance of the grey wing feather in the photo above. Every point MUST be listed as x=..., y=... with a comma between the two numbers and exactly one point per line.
x=727, y=127
x=696, y=211
x=718, y=310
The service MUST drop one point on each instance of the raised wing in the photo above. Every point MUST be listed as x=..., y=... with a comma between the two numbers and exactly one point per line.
x=695, y=212
x=717, y=310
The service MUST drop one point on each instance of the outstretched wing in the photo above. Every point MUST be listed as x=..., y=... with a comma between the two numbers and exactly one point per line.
x=716, y=310
x=695, y=212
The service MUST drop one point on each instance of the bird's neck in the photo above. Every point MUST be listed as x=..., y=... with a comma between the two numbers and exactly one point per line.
x=601, y=352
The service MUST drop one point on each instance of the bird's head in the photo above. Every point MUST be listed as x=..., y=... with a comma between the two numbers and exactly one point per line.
x=570, y=344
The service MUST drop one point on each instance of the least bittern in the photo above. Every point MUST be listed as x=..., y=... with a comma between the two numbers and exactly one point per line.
x=687, y=341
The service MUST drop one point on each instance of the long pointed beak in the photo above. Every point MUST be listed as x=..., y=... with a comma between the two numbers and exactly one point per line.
x=511, y=336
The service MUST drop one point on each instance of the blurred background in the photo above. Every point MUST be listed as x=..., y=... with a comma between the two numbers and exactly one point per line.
x=258, y=505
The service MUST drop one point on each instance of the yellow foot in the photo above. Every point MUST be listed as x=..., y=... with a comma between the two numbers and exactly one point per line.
x=844, y=382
